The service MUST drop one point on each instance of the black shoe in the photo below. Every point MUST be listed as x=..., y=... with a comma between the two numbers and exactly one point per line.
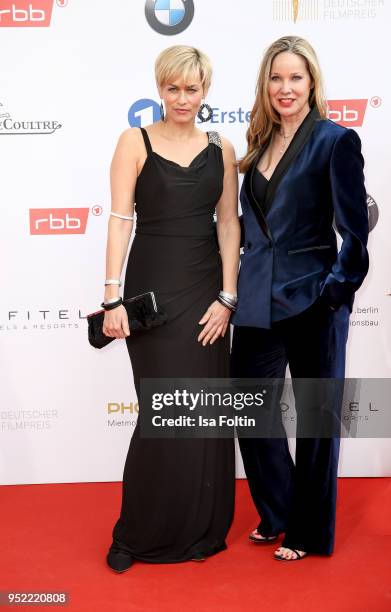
x=119, y=561
x=198, y=557
x=261, y=539
x=297, y=558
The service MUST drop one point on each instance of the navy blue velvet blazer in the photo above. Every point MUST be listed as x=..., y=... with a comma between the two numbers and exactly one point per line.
x=290, y=253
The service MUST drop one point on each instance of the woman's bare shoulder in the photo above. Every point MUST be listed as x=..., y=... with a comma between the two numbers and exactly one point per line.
x=227, y=144
x=130, y=144
x=131, y=135
x=229, y=154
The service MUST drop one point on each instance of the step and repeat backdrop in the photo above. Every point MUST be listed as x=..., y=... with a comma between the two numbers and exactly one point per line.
x=76, y=73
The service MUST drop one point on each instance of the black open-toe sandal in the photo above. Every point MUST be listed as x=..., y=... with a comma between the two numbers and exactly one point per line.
x=297, y=558
x=262, y=539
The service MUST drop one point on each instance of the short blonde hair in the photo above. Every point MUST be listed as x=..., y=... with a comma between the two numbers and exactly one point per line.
x=263, y=117
x=180, y=62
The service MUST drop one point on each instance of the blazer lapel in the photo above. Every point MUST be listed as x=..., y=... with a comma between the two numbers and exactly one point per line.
x=299, y=140
x=255, y=205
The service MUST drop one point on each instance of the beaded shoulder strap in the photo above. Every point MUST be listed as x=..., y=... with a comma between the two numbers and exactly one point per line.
x=214, y=138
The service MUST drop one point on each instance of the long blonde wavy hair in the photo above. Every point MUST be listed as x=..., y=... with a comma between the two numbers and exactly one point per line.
x=264, y=118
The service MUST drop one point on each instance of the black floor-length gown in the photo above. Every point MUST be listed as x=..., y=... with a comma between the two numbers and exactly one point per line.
x=177, y=494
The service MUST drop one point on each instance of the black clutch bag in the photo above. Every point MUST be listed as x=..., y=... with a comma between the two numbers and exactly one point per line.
x=143, y=314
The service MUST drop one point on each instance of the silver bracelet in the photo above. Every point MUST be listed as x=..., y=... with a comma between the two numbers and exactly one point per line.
x=111, y=300
x=229, y=296
x=113, y=281
x=121, y=216
x=227, y=304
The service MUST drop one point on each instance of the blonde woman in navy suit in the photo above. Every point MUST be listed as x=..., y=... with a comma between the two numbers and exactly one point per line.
x=295, y=290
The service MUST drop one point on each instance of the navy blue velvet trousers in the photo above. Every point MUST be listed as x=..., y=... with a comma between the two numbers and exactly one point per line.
x=295, y=498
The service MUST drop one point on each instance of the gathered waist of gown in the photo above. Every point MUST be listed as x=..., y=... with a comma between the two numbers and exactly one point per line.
x=174, y=234
x=184, y=223
x=187, y=230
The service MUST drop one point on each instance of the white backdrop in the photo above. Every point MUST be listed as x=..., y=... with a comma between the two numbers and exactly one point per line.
x=68, y=88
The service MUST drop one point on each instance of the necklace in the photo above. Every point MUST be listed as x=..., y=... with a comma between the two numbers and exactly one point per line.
x=286, y=137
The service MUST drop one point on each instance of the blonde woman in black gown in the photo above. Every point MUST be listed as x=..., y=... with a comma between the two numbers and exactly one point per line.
x=178, y=494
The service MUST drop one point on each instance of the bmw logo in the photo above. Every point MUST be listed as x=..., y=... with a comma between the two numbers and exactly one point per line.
x=169, y=16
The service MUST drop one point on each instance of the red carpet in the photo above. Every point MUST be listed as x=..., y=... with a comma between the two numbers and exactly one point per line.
x=55, y=537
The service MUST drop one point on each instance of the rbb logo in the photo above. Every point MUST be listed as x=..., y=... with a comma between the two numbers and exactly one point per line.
x=143, y=112
x=349, y=113
x=25, y=13
x=58, y=220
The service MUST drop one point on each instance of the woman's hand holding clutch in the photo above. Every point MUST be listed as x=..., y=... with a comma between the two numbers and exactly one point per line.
x=116, y=324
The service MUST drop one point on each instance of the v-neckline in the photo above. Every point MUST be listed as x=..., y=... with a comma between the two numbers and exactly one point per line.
x=291, y=147
x=174, y=163
x=286, y=150
x=276, y=166
x=262, y=175
x=296, y=145
x=171, y=161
